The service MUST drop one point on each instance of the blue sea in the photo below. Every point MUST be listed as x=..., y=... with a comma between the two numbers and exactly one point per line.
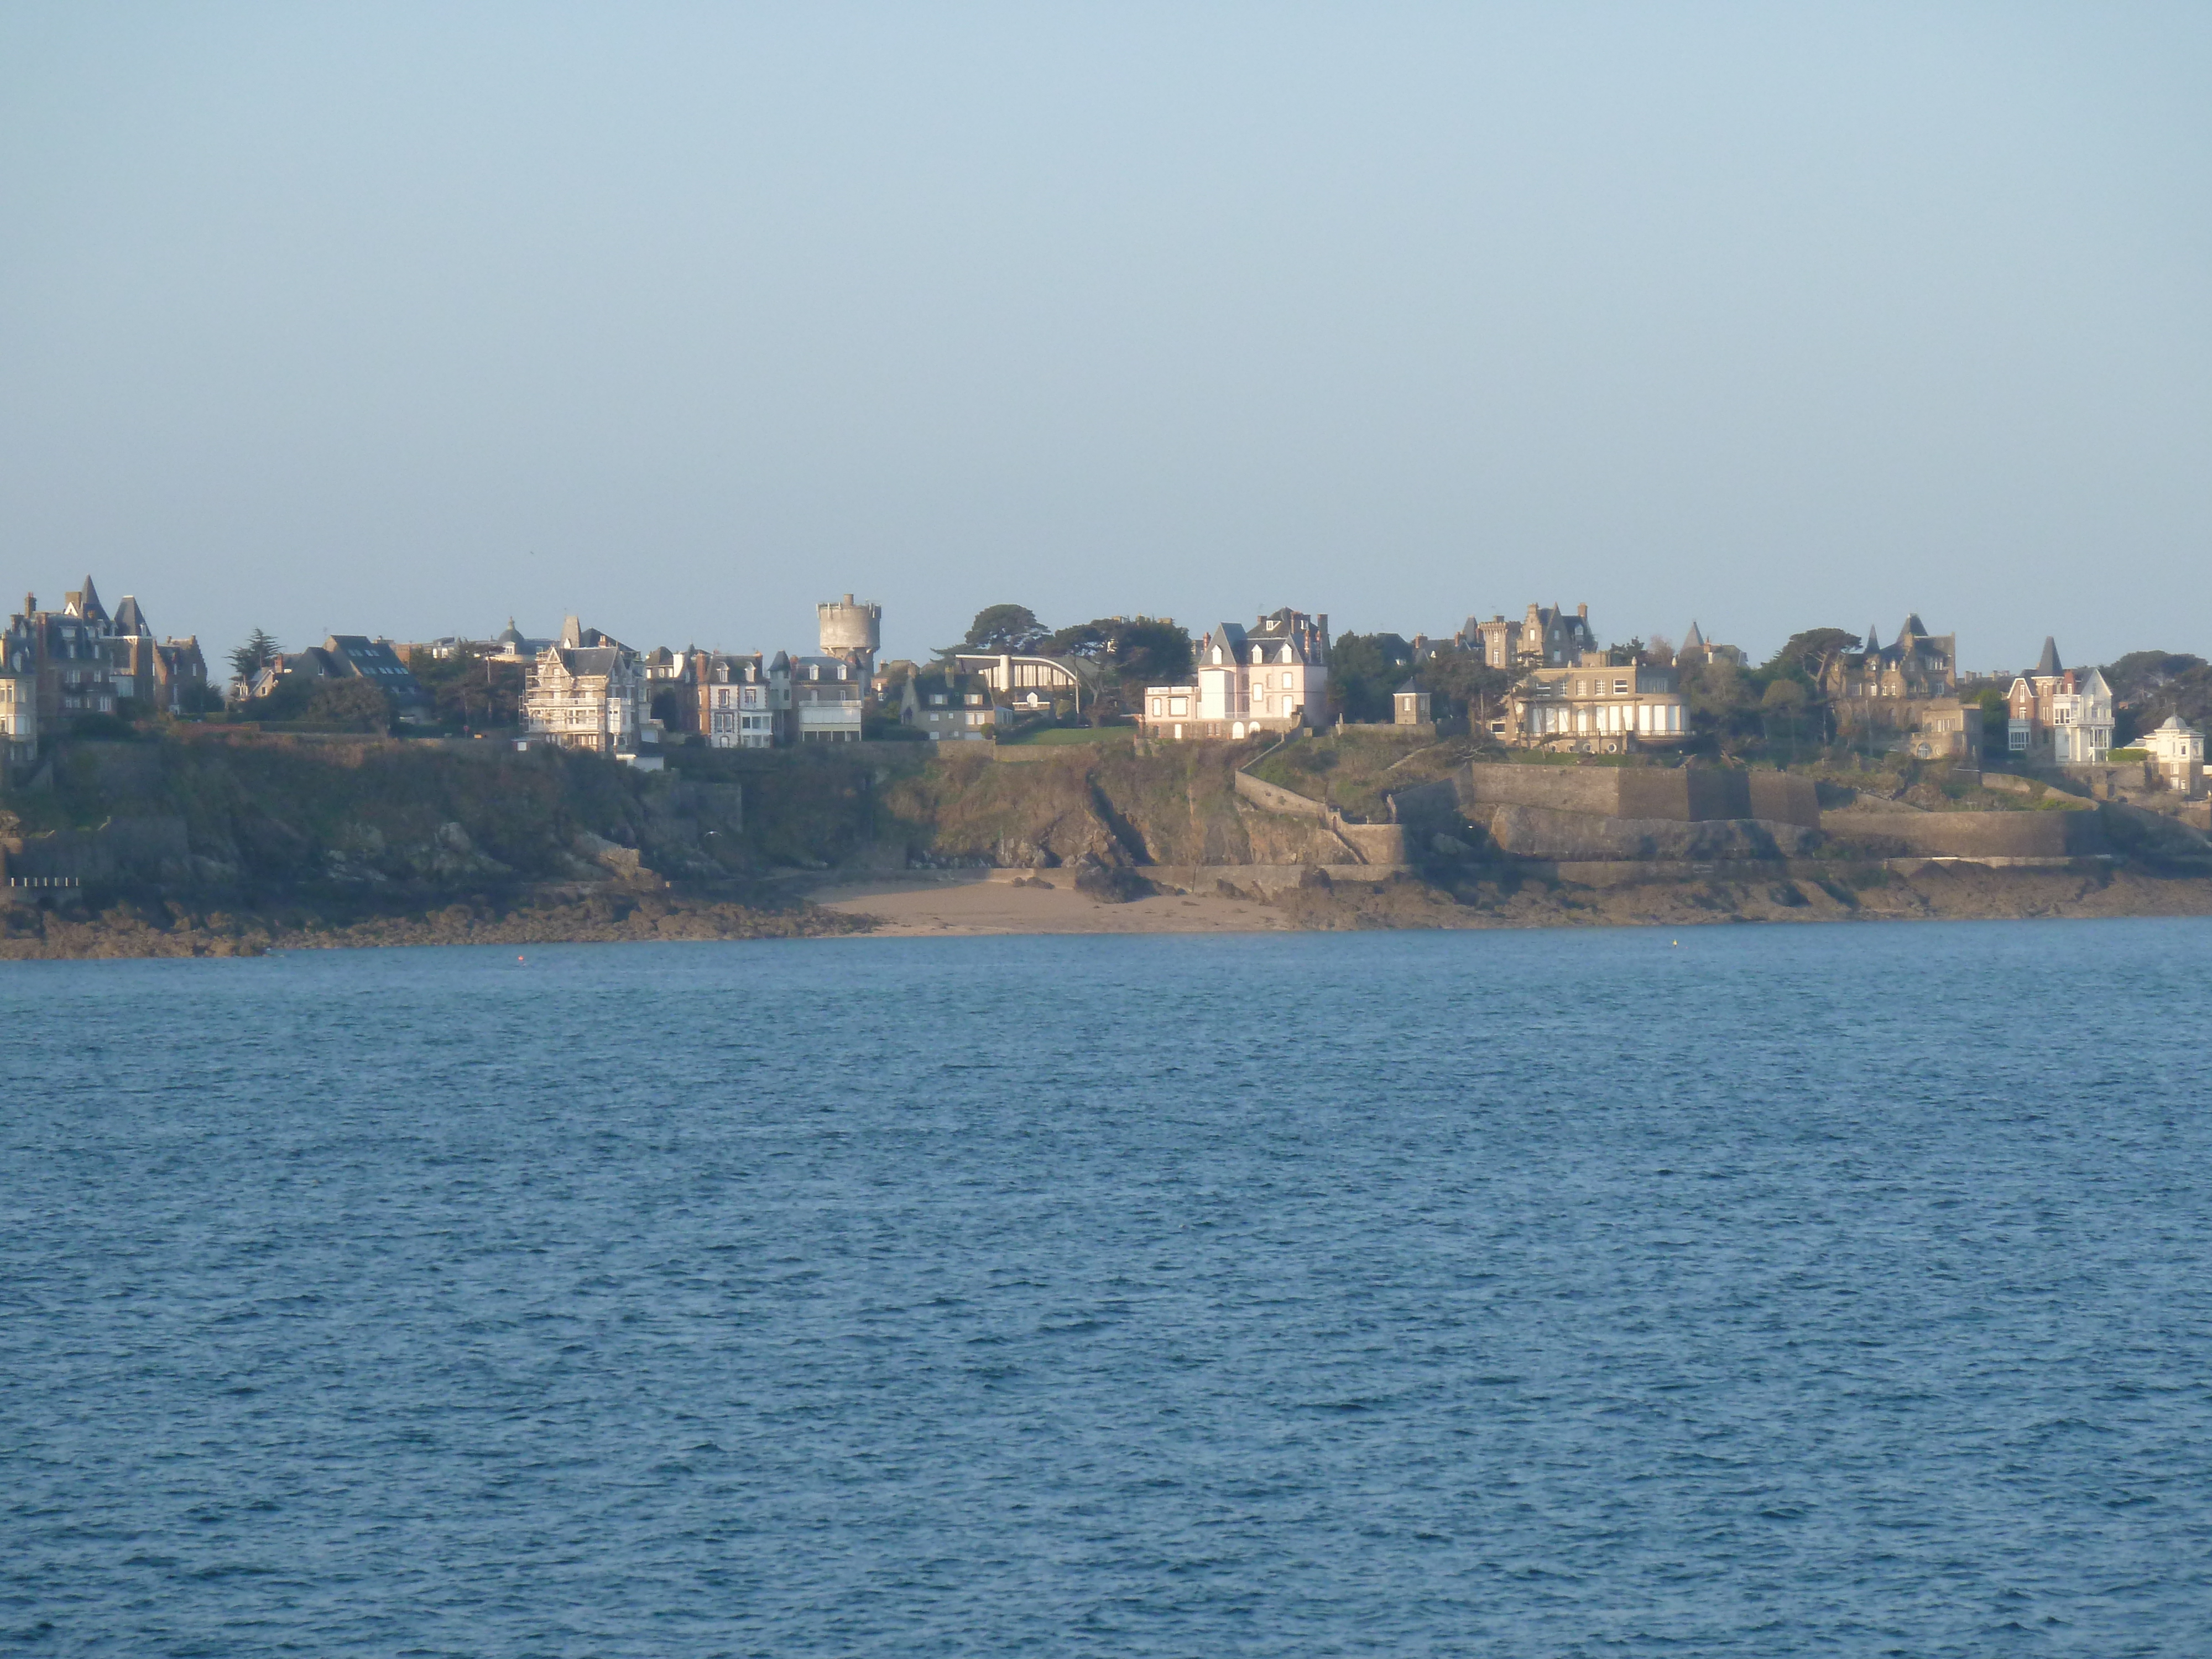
x=1794, y=1290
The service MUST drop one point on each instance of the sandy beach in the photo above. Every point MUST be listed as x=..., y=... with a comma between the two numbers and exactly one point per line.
x=989, y=901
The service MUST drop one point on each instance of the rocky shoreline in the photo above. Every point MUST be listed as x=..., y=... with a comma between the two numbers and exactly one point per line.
x=1332, y=901
x=132, y=929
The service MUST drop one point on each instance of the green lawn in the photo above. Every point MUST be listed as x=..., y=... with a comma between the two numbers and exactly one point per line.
x=1060, y=734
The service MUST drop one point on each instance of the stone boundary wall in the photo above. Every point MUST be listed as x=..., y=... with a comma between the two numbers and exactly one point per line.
x=1372, y=843
x=1276, y=798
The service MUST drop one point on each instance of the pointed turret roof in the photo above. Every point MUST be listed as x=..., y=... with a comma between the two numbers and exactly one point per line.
x=1913, y=627
x=1693, y=640
x=85, y=602
x=2048, y=662
x=1871, y=644
x=129, y=620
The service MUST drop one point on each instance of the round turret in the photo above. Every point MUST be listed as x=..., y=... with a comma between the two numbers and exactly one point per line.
x=848, y=629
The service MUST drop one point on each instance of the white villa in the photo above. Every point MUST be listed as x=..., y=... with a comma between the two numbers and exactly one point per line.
x=2178, y=752
x=586, y=693
x=1270, y=678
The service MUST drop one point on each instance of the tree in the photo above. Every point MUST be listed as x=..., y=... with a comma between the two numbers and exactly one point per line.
x=1364, y=669
x=1005, y=628
x=1810, y=652
x=259, y=650
x=1148, y=653
x=1463, y=684
x=1723, y=702
x=353, y=703
x=1092, y=640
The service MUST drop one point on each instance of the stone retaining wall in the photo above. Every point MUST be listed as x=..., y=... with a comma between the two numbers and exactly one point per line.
x=1678, y=794
x=2052, y=834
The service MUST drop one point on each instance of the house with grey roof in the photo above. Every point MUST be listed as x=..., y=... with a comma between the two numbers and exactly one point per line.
x=586, y=693
x=1270, y=678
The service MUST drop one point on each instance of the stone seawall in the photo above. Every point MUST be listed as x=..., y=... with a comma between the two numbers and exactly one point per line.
x=1676, y=794
x=1536, y=832
x=2056, y=834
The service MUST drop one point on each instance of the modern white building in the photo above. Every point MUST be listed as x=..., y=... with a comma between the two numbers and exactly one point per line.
x=1272, y=678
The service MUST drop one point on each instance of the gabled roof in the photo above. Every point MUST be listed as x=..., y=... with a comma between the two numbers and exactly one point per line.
x=589, y=660
x=1412, y=685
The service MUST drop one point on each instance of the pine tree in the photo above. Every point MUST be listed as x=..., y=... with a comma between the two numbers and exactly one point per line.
x=257, y=653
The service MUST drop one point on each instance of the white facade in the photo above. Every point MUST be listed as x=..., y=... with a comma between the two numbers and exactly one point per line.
x=19, y=692
x=2081, y=723
x=2178, y=752
x=585, y=697
x=1270, y=678
x=1595, y=708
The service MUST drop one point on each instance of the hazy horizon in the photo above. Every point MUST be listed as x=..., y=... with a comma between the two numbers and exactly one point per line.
x=683, y=319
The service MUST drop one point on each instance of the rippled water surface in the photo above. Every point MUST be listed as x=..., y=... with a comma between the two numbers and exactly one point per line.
x=1797, y=1290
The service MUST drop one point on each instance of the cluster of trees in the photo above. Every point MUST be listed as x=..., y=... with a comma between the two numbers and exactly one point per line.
x=1366, y=670
x=470, y=691
x=2150, y=685
x=1132, y=651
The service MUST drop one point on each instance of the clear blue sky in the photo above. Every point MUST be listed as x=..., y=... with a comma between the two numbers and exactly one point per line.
x=400, y=318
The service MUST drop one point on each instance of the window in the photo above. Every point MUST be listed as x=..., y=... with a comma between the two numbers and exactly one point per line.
x=1178, y=705
x=1620, y=687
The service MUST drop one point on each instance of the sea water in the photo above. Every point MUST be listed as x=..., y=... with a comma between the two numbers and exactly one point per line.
x=1836, y=1289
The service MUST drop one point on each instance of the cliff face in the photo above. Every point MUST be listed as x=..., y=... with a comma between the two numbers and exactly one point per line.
x=1178, y=807
x=277, y=815
x=216, y=814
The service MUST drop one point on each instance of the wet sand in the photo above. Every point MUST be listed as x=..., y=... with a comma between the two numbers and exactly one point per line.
x=984, y=901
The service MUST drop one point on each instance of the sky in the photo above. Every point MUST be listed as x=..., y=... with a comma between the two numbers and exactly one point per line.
x=403, y=319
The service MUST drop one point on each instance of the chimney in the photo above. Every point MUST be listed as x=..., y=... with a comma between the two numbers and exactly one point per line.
x=1583, y=610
